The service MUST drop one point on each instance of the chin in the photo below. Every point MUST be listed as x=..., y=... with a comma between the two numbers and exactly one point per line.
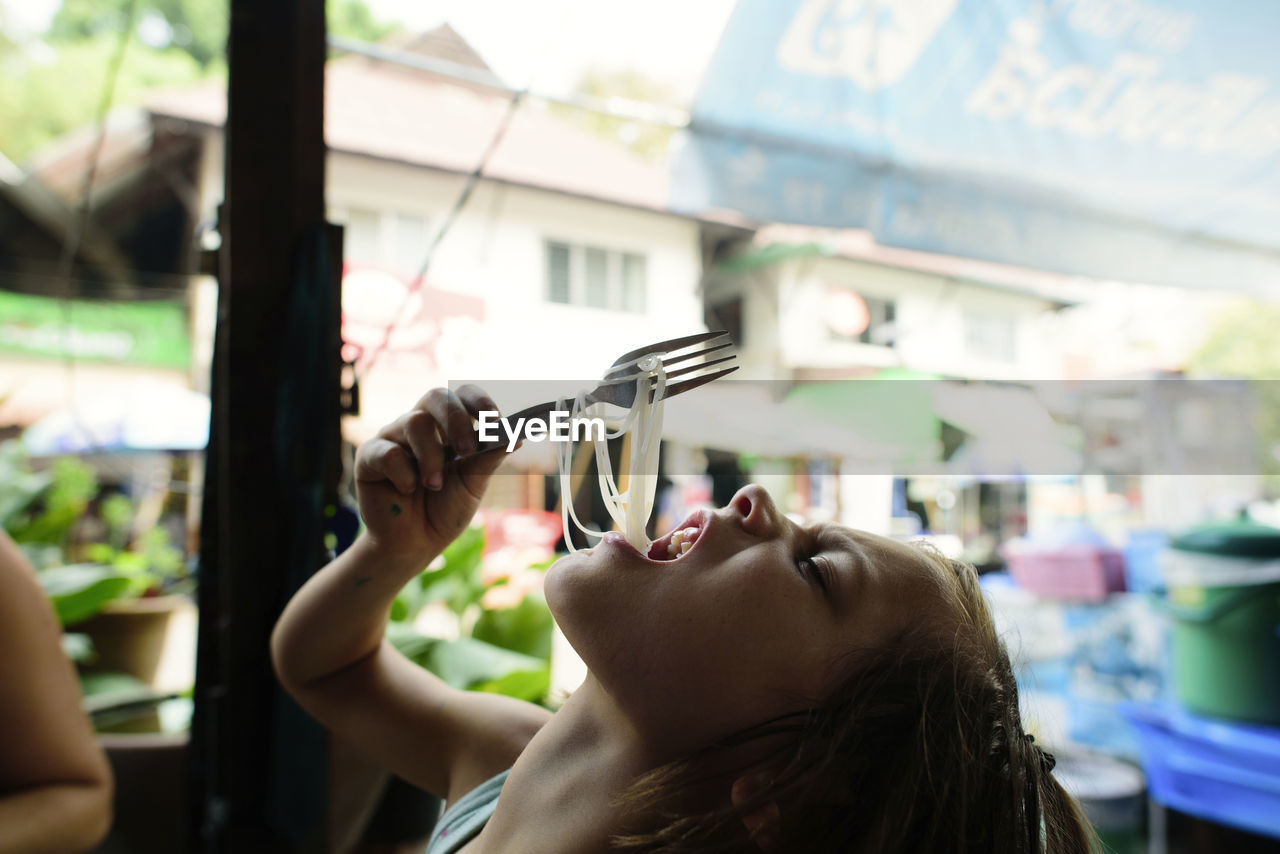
x=580, y=587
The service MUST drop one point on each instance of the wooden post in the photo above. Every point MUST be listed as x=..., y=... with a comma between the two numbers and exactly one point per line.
x=257, y=775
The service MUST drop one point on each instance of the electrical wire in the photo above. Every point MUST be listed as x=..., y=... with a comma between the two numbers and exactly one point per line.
x=516, y=98
x=459, y=203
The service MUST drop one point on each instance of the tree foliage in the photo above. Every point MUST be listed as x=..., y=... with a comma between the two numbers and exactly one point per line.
x=1242, y=344
x=197, y=27
x=40, y=102
x=50, y=88
x=650, y=141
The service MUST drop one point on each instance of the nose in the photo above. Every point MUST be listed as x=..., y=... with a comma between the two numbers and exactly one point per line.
x=756, y=510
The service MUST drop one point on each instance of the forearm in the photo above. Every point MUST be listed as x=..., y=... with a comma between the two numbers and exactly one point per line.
x=61, y=818
x=340, y=615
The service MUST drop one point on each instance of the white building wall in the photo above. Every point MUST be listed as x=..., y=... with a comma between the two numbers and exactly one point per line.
x=495, y=252
x=932, y=314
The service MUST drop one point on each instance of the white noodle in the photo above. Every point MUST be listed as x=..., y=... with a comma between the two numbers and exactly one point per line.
x=629, y=508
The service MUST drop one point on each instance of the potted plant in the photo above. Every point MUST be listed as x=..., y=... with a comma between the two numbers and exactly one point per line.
x=114, y=593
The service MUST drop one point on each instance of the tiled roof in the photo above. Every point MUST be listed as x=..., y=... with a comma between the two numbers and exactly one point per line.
x=860, y=245
x=61, y=164
x=375, y=109
x=441, y=43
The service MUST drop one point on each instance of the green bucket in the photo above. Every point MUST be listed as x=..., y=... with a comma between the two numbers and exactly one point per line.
x=1224, y=597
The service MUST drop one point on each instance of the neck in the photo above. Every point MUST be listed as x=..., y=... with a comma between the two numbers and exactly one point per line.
x=561, y=794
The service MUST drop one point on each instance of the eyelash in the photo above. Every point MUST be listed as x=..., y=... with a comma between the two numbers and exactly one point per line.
x=814, y=572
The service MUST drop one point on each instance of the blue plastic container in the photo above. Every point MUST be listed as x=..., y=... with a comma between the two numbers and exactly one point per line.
x=1224, y=772
x=1142, y=560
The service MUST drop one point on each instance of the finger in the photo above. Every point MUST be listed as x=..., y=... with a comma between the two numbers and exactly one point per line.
x=449, y=412
x=422, y=435
x=476, y=399
x=475, y=471
x=478, y=402
x=380, y=460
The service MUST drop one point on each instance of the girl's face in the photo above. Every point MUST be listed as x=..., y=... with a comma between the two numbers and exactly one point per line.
x=747, y=625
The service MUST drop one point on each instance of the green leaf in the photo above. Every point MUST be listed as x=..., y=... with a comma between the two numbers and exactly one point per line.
x=463, y=555
x=456, y=582
x=529, y=685
x=400, y=609
x=80, y=590
x=466, y=662
x=78, y=647
x=111, y=682
x=526, y=628
x=413, y=645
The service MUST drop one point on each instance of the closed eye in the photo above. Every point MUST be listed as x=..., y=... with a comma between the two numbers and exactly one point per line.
x=812, y=570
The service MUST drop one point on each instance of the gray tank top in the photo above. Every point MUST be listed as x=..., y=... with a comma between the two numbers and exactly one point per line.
x=461, y=822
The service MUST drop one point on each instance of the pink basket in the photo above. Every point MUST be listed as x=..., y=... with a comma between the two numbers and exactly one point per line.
x=1081, y=573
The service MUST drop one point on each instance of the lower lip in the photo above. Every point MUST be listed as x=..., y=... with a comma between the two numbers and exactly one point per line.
x=617, y=538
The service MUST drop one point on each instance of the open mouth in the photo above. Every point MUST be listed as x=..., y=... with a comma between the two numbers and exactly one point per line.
x=678, y=543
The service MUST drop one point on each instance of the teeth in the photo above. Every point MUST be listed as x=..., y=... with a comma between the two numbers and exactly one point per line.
x=681, y=541
x=673, y=547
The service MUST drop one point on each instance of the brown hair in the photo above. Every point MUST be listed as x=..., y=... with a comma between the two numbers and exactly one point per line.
x=920, y=748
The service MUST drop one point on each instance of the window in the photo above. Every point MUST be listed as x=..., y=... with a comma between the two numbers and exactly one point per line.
x=844, y=309
x=396, y=240
x=633, y=279
x=880, y=327
x=557, y=272
x=362, y=238
x=409, y=241
x=727, y=315
x=595, y=277
x=990, y=336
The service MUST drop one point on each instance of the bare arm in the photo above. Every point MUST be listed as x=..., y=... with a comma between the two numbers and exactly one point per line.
x=55, y=784
x=328, y=646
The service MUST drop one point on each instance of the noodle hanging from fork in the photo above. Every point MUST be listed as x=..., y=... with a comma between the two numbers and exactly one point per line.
x=629, y=508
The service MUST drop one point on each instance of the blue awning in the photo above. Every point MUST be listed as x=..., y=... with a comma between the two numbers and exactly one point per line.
x=1120, y=139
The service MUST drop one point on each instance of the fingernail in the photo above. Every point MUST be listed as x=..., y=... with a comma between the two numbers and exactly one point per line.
x=435, y=480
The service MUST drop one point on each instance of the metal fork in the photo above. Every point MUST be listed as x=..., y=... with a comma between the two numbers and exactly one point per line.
x=618, y=386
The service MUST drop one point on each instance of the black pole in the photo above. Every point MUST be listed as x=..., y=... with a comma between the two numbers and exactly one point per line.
x=257, y=776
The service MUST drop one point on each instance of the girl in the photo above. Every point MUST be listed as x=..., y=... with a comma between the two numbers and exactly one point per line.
x=775, y=688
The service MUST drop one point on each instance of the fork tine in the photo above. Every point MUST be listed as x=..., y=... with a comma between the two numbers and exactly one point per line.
x=699, y=366
x=667, y=346
x=622, y=370
x=706, y=351
x=694, y=382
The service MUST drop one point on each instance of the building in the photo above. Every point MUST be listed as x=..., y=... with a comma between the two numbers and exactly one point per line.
x=564, y=254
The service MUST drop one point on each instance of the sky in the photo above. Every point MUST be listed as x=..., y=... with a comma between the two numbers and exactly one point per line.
x=549, y=43
x=545, y=44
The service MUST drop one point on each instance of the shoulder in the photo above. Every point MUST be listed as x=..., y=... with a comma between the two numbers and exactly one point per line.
x=497, y=730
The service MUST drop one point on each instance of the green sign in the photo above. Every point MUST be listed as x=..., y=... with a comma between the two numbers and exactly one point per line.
x=137, y=333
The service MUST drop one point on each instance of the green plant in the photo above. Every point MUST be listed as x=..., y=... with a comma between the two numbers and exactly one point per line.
x=500, y=650
x=41, y=509
x=151, y=563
